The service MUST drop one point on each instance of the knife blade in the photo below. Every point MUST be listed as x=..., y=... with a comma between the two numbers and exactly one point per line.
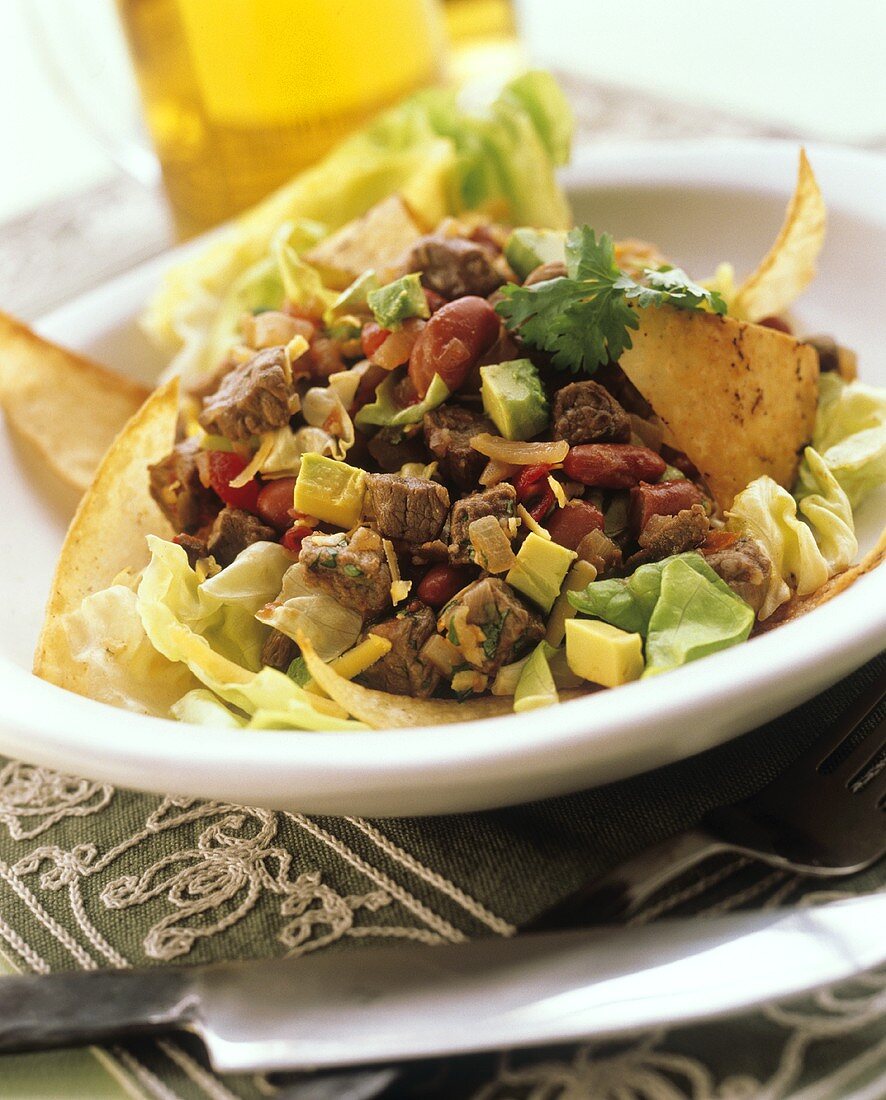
x=389, y=1004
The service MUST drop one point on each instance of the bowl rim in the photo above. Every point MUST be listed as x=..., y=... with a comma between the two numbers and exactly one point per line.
x=412, y=768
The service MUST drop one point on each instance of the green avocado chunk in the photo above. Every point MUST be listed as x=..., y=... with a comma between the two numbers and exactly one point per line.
x=393, y=303
x=526, y=248
x=514, y=398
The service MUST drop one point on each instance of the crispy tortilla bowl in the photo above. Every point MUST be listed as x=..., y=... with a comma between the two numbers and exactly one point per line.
x=503, y=758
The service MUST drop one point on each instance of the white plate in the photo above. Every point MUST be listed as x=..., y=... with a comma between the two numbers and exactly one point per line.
x=702, y=202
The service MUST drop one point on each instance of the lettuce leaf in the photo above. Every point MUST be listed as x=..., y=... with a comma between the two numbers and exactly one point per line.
x=440, y=155
x=695, y=614
x=766, y=512
x=201, y=708
x=385, y=412
x=679, y=605
x=184, y=624
x=825, y=507
x=301, y=609
x=850, y=436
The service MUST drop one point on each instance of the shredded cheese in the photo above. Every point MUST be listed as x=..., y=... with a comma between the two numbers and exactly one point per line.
x=399, y=588
x=532, y=524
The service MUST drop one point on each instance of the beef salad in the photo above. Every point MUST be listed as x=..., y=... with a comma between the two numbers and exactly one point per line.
x=439, y=472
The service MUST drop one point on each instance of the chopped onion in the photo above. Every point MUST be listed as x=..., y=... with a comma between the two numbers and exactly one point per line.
x=492, y=547
x=496, y=472
x=397, y=348
x=518, y=453
x=442, y=654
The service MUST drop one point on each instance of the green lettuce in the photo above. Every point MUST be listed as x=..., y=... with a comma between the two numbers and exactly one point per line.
x=201, y=708
x=695, y=614
x=679, y=605
x=301, y=609
x=850, y=436
x=825, y=507
x=220, y=641
x=767, y=513
x=441, y=155
x=385, y=412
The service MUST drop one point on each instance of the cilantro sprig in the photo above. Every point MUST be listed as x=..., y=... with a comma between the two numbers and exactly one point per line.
x=584, y=318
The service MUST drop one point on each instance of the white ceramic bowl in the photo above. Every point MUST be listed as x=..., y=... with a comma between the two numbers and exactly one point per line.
x=701, y=202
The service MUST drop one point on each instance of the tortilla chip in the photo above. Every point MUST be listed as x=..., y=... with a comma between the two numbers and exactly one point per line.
x=67, y=407
x=381, y=710
x=789, y=265
x=738, y=399
x=107, y=534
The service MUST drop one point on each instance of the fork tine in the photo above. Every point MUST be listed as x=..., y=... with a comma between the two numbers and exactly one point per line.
x=861, y=757
x=829, y=746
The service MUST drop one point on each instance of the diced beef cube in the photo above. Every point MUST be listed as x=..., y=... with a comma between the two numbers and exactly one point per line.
x=234, y=530
x=252, y=398
x=431, y=553
x=279, y=650
x=746, y=568
x=402, y=670
x=354, y=569
x=448, y=432
x=666, y=535
x=499, y=501
x=176, y=487
x=454, y=267
x=489, y=624
x=411, y=509
x=601, y=552
x=392, y=449
x=193, y=546
x=586, y=412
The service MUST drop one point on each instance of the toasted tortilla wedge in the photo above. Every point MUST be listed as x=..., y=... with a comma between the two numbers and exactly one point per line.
x=789, y=265
x=67, y=407
x=739, y=399
x=107, y=537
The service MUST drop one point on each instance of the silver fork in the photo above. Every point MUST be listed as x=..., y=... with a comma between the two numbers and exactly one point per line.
x=824, y=816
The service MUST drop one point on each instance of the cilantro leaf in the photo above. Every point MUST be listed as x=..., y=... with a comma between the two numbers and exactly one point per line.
x=584, y=318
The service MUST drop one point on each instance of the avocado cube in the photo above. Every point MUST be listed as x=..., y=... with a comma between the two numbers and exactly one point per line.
x=514, y=398
x=602, y=653
x=393, y=303
x=330, y=490
x=353, y=299
x=527, y=248
x=539, y=569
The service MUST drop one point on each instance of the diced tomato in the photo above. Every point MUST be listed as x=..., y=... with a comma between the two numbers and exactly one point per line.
x=569, y=525
x=224, y=466
x=526, y=482
x=372, y=337
x=397, y=346
x=719, y=540
x=541, y=507
x=294, y=537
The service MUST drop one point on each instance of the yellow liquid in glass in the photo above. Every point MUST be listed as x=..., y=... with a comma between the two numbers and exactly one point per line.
x=241, y=94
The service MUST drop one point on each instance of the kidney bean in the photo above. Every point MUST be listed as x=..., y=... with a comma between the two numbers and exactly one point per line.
x=452, y=341
x=434, y=300
x=667, y=498
x=778, y=323
x=612, y=465
x=569, y=525
x=440, y=584
x=274, y=503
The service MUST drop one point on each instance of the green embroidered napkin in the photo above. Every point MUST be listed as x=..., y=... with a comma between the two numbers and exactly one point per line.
x=92, y=877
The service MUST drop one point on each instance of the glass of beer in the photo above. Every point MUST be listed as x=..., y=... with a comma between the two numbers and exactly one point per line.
x=238, y=95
